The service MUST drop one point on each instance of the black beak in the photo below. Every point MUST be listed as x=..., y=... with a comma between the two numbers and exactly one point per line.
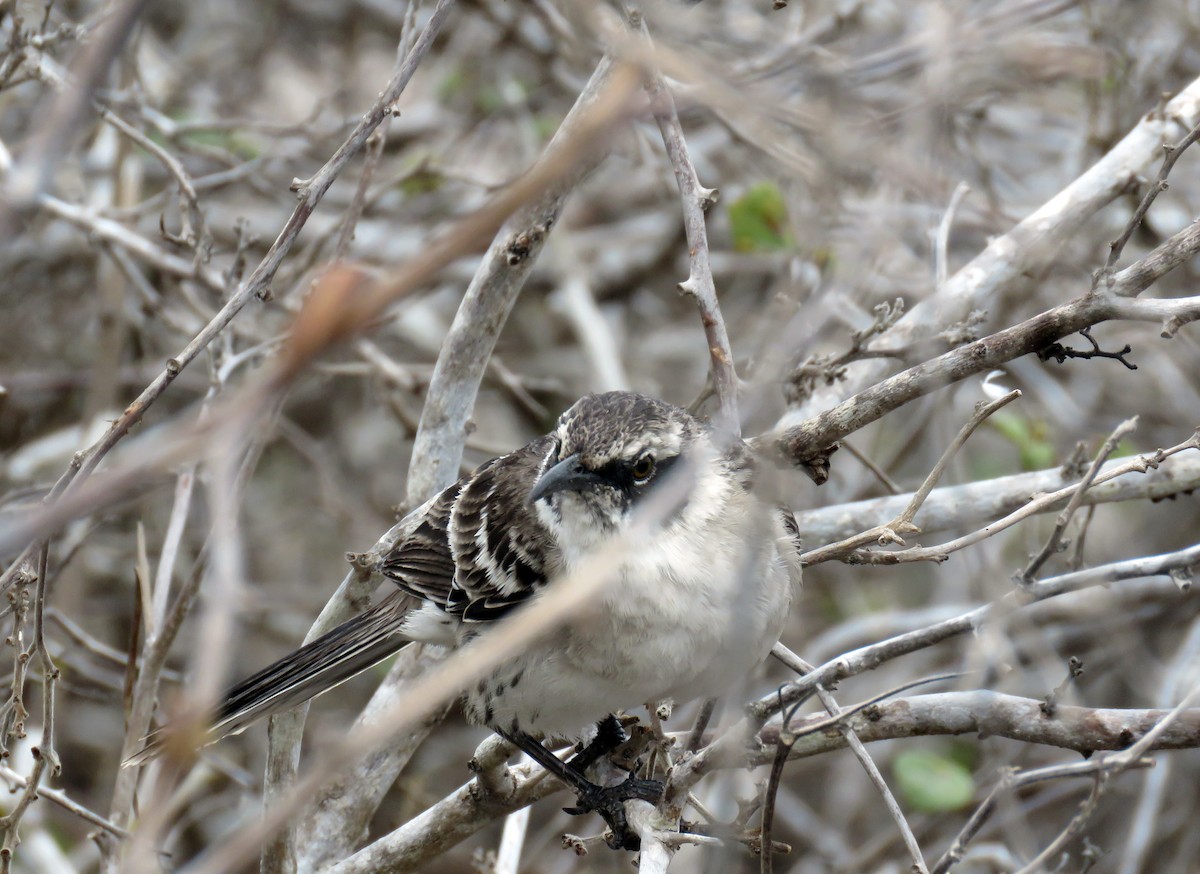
x=566, y=476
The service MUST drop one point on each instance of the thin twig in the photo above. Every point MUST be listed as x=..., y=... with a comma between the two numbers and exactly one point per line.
x=878, y=472
x=1100, y=781
x=375, y=146
x=696, y=201
x=873, y=773
x=903, y=523
x=1038, y=504
x=872, y=656
x=56, y=796
x=1010, y=781
x=942, y=245
x=200, y=236
x=1171, y=154
x=44, y=754
x=1064, y=518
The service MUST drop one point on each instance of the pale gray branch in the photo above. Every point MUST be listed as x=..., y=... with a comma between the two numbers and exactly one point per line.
x=972, y=503
x=1027, y=250
x=438, y=446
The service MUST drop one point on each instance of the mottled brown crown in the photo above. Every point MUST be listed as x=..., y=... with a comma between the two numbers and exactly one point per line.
x=620, y=425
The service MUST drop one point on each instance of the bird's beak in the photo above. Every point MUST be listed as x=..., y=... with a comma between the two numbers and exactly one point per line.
x=566, y=476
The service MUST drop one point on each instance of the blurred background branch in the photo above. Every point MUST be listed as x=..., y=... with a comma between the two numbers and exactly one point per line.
x=914, y=198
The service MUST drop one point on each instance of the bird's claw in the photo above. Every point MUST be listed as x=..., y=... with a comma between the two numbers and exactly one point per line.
x=609, y=802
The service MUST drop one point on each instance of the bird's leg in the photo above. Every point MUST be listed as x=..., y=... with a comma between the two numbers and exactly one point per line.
x=609, y=736
x=608, y=801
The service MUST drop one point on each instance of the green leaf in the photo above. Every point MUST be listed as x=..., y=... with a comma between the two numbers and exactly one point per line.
x=931, y=782
x=1030, y=438
x=452, y=84
x=422, y=182
x=759, y=220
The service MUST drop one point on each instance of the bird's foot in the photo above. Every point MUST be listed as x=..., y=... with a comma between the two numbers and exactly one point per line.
x=609, y=802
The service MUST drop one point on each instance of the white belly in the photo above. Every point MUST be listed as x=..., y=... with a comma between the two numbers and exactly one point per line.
x=668, y=627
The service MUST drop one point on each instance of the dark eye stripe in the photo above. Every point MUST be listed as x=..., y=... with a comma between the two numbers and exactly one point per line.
x=619, y=474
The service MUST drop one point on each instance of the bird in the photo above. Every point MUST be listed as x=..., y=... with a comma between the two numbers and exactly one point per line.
x=686, y=615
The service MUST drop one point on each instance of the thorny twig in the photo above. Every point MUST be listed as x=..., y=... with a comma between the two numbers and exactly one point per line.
x=55, y=796
x=903, y=523
x=44, y=754
x=1074, y=672
x=696, y=201
x=1171, y=154
x=872, y=656
x=1010, y=781
x=942, y=239
x=811, y=440
x=1035, y=505
x=828, y=369
x=1054, y=542
x=860, y=752
x=199, y=238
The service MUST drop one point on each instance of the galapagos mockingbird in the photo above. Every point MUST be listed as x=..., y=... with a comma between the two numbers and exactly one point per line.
x=685, y=616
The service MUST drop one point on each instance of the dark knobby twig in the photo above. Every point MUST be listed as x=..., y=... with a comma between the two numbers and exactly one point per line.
x=1061, y=353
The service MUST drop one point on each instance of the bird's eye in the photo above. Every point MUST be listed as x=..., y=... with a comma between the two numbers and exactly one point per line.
x=642, y=468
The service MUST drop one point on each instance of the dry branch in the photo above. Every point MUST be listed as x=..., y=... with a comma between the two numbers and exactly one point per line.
x=1027, y=250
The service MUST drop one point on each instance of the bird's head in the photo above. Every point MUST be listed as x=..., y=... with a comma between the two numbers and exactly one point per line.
x=609, y=450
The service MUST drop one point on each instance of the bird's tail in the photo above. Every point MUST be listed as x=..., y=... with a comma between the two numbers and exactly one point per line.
x=354, y=646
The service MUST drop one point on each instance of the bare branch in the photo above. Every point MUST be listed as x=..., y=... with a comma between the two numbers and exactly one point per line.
x=810, y=440
x=1028, y=248
x=438, y=446
x=1038, y=503
x=870, y=657
x=1064, y=518
x=696, y=201
x=903, y=523
x=1171, y=154
x=864, y=758
x=1083, y=729
x=1009, y=782
x=47, y=143
x=973, y=503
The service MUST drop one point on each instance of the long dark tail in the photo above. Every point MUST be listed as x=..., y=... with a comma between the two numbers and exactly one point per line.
x=346, y=651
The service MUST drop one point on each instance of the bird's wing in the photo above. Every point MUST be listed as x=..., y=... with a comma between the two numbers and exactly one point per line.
x=476, y=550
x=503, y=553
x=422, y=564
x=480, y=548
